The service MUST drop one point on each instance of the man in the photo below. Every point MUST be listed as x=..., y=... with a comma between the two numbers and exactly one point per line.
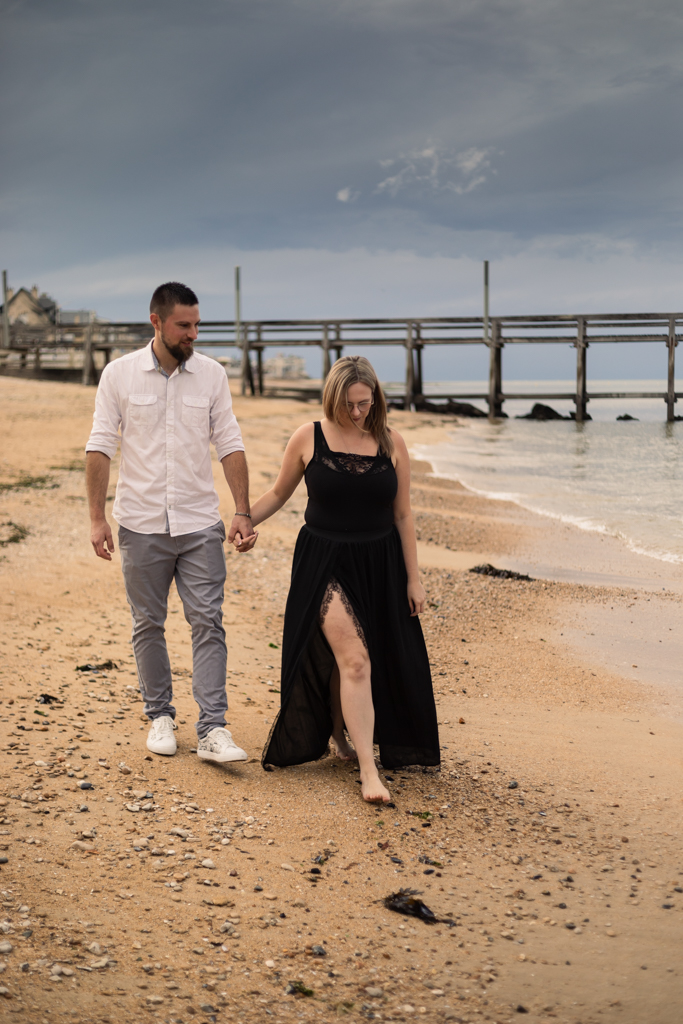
x=169, y=402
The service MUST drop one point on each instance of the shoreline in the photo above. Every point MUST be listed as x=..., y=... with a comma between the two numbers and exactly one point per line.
x=571, y=546
x=549, y=549
x=562, y=520
x=598, y=480
x=537, y=876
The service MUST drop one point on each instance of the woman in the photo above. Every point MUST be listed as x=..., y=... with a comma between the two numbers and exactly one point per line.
x=353, y=654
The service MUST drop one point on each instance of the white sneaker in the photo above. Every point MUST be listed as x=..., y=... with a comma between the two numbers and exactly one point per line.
x=160, y=738
x=219, y=746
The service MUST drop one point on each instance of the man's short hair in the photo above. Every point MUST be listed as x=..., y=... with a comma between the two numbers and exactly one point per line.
x=168, y=296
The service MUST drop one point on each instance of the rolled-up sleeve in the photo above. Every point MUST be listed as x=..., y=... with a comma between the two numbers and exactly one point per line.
x=225, y=432
x=104, y=436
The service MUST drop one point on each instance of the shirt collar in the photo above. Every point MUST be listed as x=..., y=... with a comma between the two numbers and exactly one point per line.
x=149, y=360
x=152, y=363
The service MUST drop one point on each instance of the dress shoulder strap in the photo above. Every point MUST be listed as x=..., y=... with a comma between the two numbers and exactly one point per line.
x=319, y=442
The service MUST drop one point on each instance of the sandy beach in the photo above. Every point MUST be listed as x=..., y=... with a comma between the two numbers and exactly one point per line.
x=168, y=889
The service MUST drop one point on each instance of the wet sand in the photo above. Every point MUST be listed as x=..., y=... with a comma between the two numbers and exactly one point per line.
x=194, y=892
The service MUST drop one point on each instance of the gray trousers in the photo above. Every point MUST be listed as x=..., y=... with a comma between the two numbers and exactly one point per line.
x=150, y=561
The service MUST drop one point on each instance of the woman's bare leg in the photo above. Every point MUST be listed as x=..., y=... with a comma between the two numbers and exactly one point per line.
x=355, y=694
x=344, y=750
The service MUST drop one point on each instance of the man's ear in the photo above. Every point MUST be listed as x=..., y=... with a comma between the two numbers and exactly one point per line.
x=155, y=321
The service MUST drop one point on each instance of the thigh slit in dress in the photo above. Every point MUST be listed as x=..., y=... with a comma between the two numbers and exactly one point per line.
x=335, y=587
x=350, y=545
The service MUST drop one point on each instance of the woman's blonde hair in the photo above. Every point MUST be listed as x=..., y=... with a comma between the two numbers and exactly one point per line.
x=358, y=370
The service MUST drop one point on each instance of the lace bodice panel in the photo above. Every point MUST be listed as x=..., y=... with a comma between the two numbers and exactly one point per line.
x=348, y=462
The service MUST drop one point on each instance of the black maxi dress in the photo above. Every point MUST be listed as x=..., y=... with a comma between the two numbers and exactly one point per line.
x=350, y=545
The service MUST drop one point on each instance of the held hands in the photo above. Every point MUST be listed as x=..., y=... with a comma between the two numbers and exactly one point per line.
x=101, y=539
x=242, y=534
x=245, y=544
x=417, y=596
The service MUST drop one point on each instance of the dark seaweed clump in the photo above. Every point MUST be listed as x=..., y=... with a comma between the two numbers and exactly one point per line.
x=405, y=901
x=501, y=574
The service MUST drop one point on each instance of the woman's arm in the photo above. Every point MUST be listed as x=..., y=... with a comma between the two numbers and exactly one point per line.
x=291, y=471
x=403, y=518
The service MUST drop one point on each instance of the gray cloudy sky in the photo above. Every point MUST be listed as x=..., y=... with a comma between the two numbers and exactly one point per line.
x=357, y=157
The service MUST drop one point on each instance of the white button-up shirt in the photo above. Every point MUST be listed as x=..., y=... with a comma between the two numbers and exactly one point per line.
x=166, y=423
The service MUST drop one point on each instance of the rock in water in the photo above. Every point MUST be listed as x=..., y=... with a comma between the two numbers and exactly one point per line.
x=451, y=407
x=539, y=411
x=465, y=409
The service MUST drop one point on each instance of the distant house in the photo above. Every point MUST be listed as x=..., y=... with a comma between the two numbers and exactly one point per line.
x=285, y=367
x=30, y=307
x=79, y=316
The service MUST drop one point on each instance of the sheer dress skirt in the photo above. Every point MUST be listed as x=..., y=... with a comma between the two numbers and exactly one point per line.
x=369, y=573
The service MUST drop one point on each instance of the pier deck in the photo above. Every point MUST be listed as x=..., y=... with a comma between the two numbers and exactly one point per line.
x=80, y=352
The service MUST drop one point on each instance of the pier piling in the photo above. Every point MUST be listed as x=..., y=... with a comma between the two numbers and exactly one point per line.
x=495, y=396
x=88, y=362
x=581, y=399
x=5, y=312
x=671, y=375
x=326, y=357
x=410, y=368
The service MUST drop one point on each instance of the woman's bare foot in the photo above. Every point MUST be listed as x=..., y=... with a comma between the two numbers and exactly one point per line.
x=372, y=789
x=343, y=749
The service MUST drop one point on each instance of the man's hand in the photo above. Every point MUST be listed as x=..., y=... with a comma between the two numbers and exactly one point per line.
x=96, y=482
x=241, y=533
x=244, y=544
x=240, y=525
x=101, y=539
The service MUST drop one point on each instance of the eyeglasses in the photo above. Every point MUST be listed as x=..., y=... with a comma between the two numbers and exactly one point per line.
x=361, y=406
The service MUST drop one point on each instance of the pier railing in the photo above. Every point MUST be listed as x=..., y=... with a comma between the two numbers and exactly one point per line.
x=32, y=350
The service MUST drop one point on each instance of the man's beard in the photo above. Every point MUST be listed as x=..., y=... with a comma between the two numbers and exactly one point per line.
x=177, y=351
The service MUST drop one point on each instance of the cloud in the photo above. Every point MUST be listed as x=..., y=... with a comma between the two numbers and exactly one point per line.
x=433, y=170
x=347, y=195
x=472, y=160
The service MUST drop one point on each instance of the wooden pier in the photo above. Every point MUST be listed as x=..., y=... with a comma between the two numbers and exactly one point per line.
x=79, y=352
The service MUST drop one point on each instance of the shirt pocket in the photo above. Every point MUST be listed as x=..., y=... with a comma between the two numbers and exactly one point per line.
x=195, y=411
x=143, y=410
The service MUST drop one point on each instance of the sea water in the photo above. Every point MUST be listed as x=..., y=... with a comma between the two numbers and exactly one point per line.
x=619, y=478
